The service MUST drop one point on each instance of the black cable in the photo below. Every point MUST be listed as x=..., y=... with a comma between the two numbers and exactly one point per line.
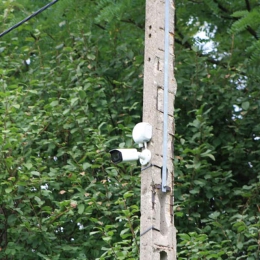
x=151, y=228
x=28, y=18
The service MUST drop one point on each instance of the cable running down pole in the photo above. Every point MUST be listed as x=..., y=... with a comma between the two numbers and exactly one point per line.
x=165, y=93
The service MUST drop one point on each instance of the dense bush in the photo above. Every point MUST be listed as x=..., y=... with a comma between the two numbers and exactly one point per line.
x=71, y=89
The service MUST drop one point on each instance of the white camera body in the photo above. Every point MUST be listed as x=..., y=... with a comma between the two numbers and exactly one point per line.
x=128, y=155
x=124, y=155
x=142, y=133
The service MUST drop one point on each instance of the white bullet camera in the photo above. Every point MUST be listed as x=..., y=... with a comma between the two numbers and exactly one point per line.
x=128, y=155
x=142, y=133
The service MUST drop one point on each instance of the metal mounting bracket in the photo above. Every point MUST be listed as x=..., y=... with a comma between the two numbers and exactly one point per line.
x=159, y=186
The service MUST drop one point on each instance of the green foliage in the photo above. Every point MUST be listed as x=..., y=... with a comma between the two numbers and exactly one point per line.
x=251, y=19
x=248, y=21
x=217, y=134
x=81, y=94
x=66, y=87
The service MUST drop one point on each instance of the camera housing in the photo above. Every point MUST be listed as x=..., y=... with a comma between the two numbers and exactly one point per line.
x=128, y=155
x=124, y=155
x=142, y=133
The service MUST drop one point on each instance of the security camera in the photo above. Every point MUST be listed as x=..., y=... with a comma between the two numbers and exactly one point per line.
x=142, y=133
x=128, y=155
x=124, y=155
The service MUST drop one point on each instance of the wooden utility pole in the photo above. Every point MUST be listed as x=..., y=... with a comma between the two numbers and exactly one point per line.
x=158, y=235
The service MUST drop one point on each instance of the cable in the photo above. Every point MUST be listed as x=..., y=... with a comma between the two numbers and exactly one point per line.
x=165, y=93
x=151, y=228
x=28, y=18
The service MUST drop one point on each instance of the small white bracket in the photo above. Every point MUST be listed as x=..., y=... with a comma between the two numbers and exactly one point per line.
x=145, y=156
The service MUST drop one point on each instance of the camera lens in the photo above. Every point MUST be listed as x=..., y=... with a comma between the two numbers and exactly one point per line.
x=116, y=156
